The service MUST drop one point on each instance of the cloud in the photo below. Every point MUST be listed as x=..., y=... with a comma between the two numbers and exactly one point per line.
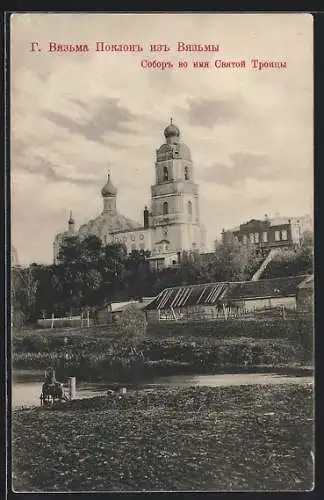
x=210, y=112
x=107, y=117
x=49, y=171
x=241, y=166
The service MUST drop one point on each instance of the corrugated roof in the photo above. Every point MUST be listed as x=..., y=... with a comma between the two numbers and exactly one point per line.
x=276, y=287
x=212, y=293
x=185, y=296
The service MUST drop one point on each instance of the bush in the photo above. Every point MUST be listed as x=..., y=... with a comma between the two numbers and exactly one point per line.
x=131, y=325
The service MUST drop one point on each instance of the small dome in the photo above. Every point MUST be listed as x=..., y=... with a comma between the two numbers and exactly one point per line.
x=109, y=189
x=71, y=220
x=171, y=130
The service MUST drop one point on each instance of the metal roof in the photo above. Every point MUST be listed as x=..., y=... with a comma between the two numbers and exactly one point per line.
x=262, y=289
x=213, y=293
x=185, y=296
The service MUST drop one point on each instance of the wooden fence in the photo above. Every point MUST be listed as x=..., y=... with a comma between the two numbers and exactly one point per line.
x=198, y=314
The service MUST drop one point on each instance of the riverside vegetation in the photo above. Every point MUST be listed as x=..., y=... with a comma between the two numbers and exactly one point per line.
x=131, y=351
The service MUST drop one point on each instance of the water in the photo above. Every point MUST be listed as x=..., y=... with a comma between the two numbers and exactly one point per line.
x=26, y=386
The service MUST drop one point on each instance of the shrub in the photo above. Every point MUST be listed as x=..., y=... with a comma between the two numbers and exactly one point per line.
x=132, y=325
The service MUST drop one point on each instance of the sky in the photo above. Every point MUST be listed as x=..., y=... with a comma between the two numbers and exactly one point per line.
x=75, y=115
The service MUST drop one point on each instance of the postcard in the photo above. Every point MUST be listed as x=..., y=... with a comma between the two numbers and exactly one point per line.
x=162, y=247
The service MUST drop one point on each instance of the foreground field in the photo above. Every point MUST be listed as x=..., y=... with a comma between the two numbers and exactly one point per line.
x=224, y=438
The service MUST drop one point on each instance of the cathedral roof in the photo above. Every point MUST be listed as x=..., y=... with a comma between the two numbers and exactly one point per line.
x=109, y=189
x=107, y=222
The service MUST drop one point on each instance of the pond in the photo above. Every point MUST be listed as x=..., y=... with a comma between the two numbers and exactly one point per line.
x=26, y=386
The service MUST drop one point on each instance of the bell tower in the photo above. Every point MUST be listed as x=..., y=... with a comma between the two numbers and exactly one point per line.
x=175, y=199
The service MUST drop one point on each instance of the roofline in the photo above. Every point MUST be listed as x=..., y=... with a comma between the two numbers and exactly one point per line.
x=235, y=282
x=116, y=231
x=264, y=296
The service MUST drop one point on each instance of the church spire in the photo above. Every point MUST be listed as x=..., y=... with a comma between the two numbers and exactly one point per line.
x=71, y=220
x=71, y=223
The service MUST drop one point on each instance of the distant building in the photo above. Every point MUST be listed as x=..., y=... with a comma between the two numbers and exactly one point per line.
x=171, y=224
x=278, y=232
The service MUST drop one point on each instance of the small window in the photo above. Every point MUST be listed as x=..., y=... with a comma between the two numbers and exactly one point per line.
x=265, y=237
x=186, y=171
x=165, y=174
x=284, y=234
x=165, y=232
x=277, y=235
x=256, y=237
x=189, y=209
x=245, y=239
x=165, y=208
x=252, y=237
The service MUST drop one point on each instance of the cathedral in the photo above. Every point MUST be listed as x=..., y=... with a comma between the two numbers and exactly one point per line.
x=170, y=225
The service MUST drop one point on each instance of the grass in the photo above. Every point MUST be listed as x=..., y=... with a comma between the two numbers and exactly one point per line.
x=225, y=438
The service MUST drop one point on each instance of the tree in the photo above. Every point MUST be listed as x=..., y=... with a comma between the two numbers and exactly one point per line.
x=24, y=287
x=131, y=326
x=291, y=262
x=88, y=273
x=138, y=273
x=308, y=238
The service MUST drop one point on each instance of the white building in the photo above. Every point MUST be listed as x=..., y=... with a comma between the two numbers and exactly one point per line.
x=172, y=223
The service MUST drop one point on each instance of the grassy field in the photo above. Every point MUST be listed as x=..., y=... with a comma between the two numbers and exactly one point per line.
x=231, y=438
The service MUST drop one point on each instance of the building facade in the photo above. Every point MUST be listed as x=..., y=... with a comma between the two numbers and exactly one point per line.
x=279, y=232
x=170, y=225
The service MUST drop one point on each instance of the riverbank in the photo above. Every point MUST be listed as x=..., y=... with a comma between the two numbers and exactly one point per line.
x=222, y=438
x=91, y=359
x=25, y=394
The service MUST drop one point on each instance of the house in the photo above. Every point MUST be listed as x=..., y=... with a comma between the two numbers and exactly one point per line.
x=110, y=312
x=219, y=300
x=277, y=232
x=264, y=294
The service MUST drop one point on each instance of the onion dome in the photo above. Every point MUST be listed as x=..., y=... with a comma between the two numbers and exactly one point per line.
x=71, y=220
x=109, y=189
x=171, y=130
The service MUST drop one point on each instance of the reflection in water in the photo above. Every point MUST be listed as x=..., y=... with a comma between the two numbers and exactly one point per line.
x=26, y=393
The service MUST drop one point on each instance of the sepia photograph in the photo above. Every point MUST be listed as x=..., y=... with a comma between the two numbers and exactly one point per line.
x=162, y=252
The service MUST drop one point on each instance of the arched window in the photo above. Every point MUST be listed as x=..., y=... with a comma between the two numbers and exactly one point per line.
x=190, y=209
x=165, y=174
x=165, y=208
x=186, y=173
